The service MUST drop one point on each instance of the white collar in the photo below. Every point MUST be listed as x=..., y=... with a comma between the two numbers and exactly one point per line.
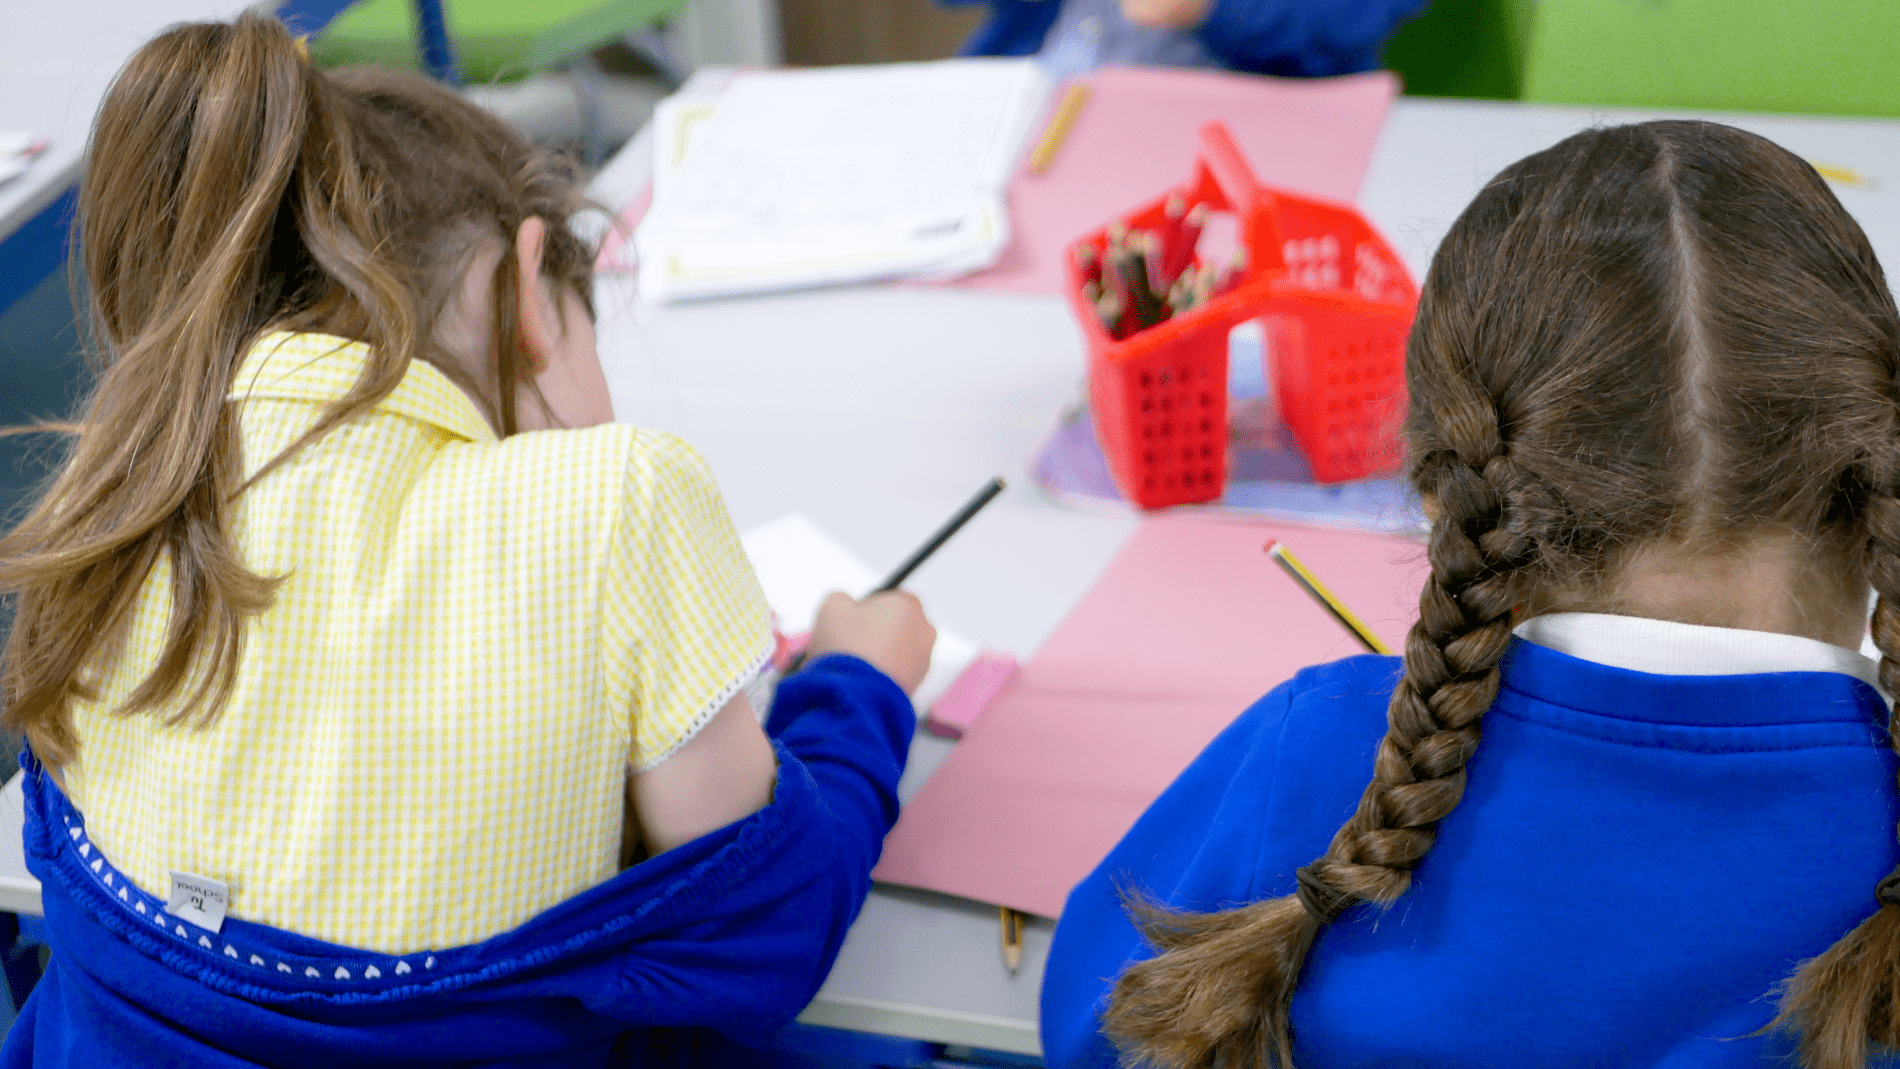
x=1664, y=647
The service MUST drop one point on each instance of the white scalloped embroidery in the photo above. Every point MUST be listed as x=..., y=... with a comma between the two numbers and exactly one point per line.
x=205, y=941
x=342, y=973
x=230, y=951
x=255, y=960
x=281, y=967
x=98, y=863
x=77, y=832
x=140, y=906
x=181, y=930
x=430, y=964
x=123, y=897
x=719, y=702
x=85, y=849
x=108, y=879
x=311, y=970
x=372, y=973
x=402, y=967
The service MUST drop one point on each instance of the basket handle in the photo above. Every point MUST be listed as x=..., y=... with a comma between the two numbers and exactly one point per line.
x=1228, y=167
x=1251, y=202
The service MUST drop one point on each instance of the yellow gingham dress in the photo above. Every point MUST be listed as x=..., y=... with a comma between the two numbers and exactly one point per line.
x=432, y=726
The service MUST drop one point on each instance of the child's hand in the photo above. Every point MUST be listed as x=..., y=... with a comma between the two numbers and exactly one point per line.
x=1166, y=14
x=888, y=629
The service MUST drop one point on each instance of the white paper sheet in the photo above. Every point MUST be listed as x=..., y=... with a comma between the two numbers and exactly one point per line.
x=833, y=175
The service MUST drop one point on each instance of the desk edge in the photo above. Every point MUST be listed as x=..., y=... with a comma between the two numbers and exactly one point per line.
x=932, y=1024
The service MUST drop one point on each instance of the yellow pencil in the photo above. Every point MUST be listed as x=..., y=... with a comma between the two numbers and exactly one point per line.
x=1845, y=176
x=1310, y=582
x=1058, y=129
x=1013, y=921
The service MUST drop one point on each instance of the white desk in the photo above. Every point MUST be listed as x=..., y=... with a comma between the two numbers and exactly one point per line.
x=1434, y=155
x=876, y=410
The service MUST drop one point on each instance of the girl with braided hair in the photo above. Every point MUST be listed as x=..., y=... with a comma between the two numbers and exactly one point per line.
x=1632, y=794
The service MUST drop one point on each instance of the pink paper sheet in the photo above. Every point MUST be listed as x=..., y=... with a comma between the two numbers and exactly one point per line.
x=1136, y=138
x=1189, y=625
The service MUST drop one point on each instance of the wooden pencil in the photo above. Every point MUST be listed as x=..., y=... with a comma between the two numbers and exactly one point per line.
x=1326, y=598
x=1059, y=126
x=1012, y=921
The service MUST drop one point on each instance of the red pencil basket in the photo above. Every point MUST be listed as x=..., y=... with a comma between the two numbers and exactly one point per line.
x=1336, y=304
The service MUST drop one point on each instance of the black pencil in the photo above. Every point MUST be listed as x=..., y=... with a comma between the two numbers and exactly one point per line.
x=969, y=509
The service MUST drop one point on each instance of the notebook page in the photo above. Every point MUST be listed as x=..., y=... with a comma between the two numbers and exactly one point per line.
x=842, y=173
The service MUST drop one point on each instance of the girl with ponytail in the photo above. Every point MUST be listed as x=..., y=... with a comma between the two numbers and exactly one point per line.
x=1631, y=795
x=387, y=703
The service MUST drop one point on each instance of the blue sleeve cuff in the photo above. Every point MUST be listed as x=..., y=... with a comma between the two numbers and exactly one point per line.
x=799, y=692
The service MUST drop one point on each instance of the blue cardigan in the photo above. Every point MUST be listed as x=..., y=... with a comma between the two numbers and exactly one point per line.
x=1637, y=862
x=719, y=942
x=1293, y=38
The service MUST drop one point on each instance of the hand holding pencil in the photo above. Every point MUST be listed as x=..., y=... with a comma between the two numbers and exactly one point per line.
x=886, y=628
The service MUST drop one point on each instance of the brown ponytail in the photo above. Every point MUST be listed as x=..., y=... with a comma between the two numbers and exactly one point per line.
x=1668, y=334
x=230, y=189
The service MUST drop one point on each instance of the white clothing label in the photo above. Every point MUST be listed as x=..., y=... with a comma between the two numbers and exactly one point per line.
x=199, y=899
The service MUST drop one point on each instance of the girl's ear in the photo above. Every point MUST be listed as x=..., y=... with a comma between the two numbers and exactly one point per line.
x=539, y=324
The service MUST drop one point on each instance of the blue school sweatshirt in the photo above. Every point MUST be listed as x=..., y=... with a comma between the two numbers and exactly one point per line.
x=684, y=959
x=1292, y=38
x=1637, y=862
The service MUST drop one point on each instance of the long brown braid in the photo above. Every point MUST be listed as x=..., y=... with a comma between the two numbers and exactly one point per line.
x=1850, y=994
x=1668, y=334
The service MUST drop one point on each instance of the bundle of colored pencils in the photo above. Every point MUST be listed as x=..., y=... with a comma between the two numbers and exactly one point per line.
x=1144, y=277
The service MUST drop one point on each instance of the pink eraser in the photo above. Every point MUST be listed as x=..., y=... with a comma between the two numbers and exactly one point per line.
x=969, y=694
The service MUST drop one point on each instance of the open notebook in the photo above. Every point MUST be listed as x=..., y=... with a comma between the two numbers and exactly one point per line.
x=841, y=174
